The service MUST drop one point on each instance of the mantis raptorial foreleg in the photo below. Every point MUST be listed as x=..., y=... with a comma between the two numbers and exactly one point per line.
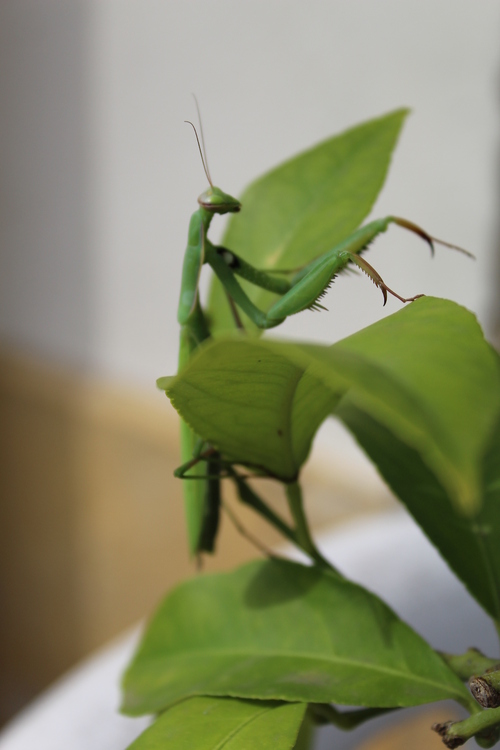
x=306, y=287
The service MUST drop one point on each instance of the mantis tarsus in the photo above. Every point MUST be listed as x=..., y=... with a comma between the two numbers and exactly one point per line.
x=297, y=290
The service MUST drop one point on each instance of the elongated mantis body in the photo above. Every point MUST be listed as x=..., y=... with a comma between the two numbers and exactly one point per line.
x=202, y=498
x=297, y=291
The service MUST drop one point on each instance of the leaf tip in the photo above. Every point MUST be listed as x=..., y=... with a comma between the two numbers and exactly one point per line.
x=164, y=383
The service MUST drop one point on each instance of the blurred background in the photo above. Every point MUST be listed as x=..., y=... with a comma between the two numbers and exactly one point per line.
x=98, y=178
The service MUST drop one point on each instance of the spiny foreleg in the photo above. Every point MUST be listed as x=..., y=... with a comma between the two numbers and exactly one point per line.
x=308, y=286
x=311, y=283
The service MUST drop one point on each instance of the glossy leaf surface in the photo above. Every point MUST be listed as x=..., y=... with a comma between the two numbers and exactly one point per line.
x=281, y=631
x=471, y=546
x=215, y=723
x=307, y=205
x=425, y=373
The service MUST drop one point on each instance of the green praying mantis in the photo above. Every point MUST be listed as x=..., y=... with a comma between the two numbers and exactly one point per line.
x=305, y=288
x=297, y=290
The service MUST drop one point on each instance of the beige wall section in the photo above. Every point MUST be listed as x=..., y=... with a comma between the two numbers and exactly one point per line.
x=413, y=731
x=91, y=518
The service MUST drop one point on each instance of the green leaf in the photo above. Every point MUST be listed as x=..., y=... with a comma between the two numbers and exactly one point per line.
x=281, y=631
x=426, y=374
x=163, y=383
x=213, y=723
x=471, y=546
x=307, y=205
x=250, y=400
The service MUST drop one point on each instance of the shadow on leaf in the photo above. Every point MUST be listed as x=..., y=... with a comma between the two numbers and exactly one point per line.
x=280, y=581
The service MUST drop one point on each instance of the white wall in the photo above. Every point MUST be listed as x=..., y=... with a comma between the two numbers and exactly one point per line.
x=45, y=254
x=99, y=174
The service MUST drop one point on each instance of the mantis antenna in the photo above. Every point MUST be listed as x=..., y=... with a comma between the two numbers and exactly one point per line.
x=203, y=152
x=202, y=136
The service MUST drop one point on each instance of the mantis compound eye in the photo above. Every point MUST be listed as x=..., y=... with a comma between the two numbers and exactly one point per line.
x=228, y=257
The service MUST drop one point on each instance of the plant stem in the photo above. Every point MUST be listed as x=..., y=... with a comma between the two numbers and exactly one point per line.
x=303, y=536
x=482, y=724
x=473, y=662
x=486, y=689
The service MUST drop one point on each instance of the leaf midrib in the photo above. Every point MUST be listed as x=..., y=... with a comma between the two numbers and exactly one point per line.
x=234, y=733
x=197, y=654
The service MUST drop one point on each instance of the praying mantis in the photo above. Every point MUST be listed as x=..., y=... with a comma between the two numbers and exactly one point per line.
x=297, y=290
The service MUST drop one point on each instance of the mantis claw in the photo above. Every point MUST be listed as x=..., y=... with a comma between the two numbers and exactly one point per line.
x=378, y=280
x=455, y=247
x=371, y=273
x=427, y=237
x=416, y=230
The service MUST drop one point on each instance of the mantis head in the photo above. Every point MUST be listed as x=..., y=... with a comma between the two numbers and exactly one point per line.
x=216, y=201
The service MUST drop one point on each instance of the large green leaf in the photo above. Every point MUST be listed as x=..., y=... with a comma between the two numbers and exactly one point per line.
x=307, y=205
x=471, y=546
x=281, y=631
x=426, y=374
x=213, y=723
